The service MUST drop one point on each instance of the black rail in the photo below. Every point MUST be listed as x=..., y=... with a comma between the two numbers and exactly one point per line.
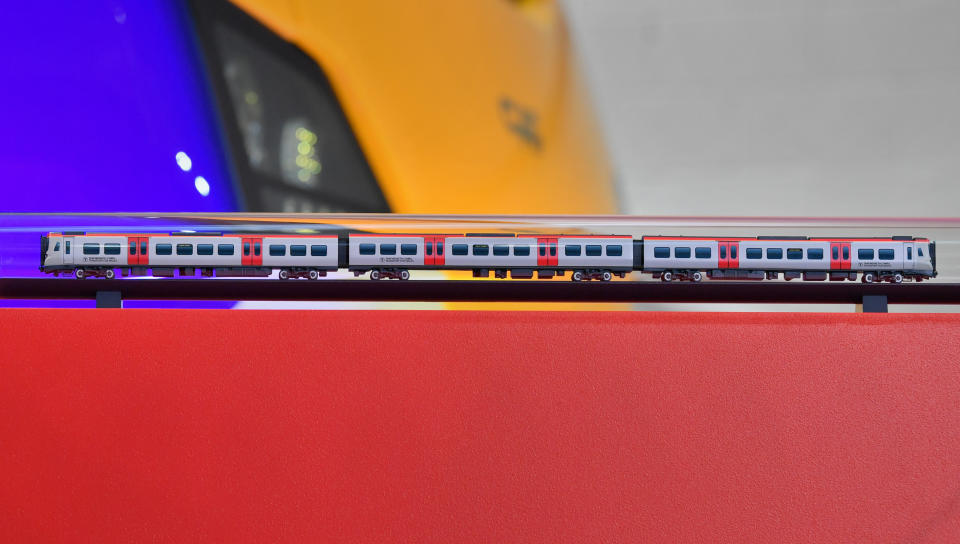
x=556, y=290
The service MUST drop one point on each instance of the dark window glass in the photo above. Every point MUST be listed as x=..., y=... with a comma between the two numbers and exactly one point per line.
x=909, y=252
x=846, y=253
x=91, y=249
x=661, y=252
x=543, y=251
x=429, y=248
x=885, y=254
x=723, y=252
x=164, y=249
x=754, y=253
x=439, y=248
x=388, y=249
x=794, y=253
x=246, y=248
x=681, y=252
x=733, y=252
x=774, y=253
x=865, y=254
x=571, y=250
x=521, y=251
x=225, y=249
x=368, y=249
x=256, y=249
x=459, y=249
x=143, y=248
x=614, y=251
x=481, y=249
x=593, y=250
x=553, y=250
x=56, y=247
x=919, y=250
x=318, y=250
x=835, y=253
x=278, y=250
x=299, y=250
x=184, y=249
x=111, y=249
x=702, y=252
x=408, y=249
x=68, y=249
x=500, y=250
x=204, y=249
x=815, y=254
x=133, y=248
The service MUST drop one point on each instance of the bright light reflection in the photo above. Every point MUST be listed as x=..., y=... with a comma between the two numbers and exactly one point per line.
x=202, y=186
x=183, y=161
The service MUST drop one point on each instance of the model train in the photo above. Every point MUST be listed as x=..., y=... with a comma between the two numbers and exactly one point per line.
x=585, y=257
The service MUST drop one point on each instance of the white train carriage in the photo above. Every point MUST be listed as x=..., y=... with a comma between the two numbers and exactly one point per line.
x=236, y=255
x=519, y=256
x=877, y=259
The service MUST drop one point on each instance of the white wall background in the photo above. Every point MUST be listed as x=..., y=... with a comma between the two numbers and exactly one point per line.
x=777, y=107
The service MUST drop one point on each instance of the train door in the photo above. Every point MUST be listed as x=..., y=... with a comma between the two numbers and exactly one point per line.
x=908, y=260
x=438, y=256
x=252, y=251
x=839, y=255
x=433, y=251
x=68, y=249
x=729, y=256
x=547, y=252
x=137, y=251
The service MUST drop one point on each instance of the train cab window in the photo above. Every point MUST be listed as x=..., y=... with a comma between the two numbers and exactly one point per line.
x=439, y=248
x=865, y=254
x=834, y=253
x=885, y=254
x=774, y=253
x=754, y=253
x=143, y=248
x=66, y=248
x=733, y=252
x=501, y=250
x=794, y=253
x=571, y=250
x=184, y=249
x=919, y=250
x=278, y=250
x=111, y=249
x=681, y=252
x=133, y=248
x=909, y=253
x=615, y=251
x=246, y=248
x=91, y=249
x=521, y=251
x=368, y=249
x=481, y=249
x=318, y=250
x=815, y=254
x=702, y=252
x=661, y=252
x=299, y=250
x=225, y=249
x=428, y=248
x=723, y=252
x=56, y=247
x=408, y=249
x=459, y=249
x=388, y=249
x=164, y=249
x=204, y=249
x=846, y=253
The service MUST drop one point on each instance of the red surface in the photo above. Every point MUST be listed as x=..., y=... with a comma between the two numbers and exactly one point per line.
x=131, y=425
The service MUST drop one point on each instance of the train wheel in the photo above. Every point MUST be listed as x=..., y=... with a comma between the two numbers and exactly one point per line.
x=109, y=274
x=606, y=276
x=666, y=276
x=80, y=273
x=898, y=278
x=404, y=274
x=577, y=276
x=374, y=275
x=313, y=274
x=697, y=276
x=868, y=277
x=284, y=274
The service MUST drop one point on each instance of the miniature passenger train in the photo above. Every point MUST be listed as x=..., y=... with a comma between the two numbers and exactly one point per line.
x=585, y=257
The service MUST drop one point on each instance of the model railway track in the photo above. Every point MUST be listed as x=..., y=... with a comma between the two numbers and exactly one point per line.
x=478, y=291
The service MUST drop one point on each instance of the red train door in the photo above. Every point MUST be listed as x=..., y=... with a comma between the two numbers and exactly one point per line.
x=839, y=255
x=137, y=251
x=547, y=252
x=433, y=251
x=251, y=251
x=729, y=254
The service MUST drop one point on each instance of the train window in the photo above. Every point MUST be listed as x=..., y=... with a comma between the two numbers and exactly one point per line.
x=834, y=253
x=909, y=252
x=774, y=253
x=256, y=249
x=299, y=250
x=543, y=251
x=225, y=249
x=143, y=248
x=408, y=249
x=439, y=248
x=615, y=251
x=681, y=252
x=111, y=249
x=278, y=250
x=91, y=249
x=368, y=249
x=571, y=250
x=164, y=249
x=702, y=252
x=723, y=252
x=500, y=250
x=661, y=252
x=246, y=248
x=553, y=250
x=184, y=249
x=133, y=248
x=885, y=254
x=794, y=253
x=429, y=248
x=67, y=248
x=481, y=249
x=754, y=253
x=204, y=249
x=56, y=247
x=459, y=249
x=594, y=251
x=388, y=249
x=815, y=254
x=318, y=250
x=521, y=251
x=846, y=253
x=919, y=250
x=733, y=252
x=865, y=254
